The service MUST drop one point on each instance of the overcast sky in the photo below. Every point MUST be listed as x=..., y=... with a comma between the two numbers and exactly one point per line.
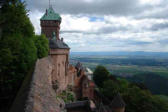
x=108, y=25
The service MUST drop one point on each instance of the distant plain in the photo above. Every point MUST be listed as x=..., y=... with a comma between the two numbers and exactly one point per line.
x=149, y=68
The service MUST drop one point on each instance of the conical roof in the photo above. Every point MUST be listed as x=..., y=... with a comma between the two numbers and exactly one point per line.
x=51, y=15
x=118, y=102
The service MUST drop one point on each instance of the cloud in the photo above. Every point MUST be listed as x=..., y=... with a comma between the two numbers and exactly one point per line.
x=108, y=25
x=35, y=19
x=96, y=7
x=160, y=26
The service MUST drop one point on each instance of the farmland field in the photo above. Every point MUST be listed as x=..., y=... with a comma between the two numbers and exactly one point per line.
x=151, y=70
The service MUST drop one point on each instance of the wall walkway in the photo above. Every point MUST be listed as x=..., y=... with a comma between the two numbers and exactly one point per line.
x=36, y=93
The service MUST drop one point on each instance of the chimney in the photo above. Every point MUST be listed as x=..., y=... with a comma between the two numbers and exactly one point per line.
x=62, y=39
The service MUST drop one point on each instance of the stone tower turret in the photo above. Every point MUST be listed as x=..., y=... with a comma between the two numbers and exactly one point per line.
x=50, y=22
x=59, y=50
x=59, y=53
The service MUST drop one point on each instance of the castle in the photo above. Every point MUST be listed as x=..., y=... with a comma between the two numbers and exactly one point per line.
x=59, y=51
x=64, y=74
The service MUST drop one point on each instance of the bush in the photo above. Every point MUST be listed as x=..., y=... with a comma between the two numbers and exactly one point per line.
x=67, y=96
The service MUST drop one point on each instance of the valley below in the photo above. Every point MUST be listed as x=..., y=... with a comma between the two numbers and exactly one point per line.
x=146, y=69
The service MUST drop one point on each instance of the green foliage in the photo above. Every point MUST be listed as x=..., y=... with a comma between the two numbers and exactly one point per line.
x=136, y=99
x=100, y=75
x=67, y=96
x=41, y=43
x=19, y=48
x=14, y=19
x=17, y=56
x=156, y=84
x=110, y=88
x=6, y=59
x=163, y=97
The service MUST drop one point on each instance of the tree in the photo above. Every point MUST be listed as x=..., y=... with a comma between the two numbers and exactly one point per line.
x=100, y=75
x=19, y=49
x=136, y=99
x=110, y=89
x=41, y=43
x=14, y=19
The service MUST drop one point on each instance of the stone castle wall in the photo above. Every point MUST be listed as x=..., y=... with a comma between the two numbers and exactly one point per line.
x=59, y=71
x=72, y=76
x=41, y=96
x=59, y=74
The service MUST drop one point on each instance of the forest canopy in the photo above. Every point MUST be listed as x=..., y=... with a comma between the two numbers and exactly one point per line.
x=19, y=48
x=136, y=97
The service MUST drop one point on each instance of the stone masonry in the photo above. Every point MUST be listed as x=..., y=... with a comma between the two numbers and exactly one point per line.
x=42, y=97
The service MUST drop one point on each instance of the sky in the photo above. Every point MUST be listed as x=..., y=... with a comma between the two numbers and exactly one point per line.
x=108, y=25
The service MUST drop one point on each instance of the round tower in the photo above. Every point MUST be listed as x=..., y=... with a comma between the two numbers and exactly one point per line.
x=59, y=53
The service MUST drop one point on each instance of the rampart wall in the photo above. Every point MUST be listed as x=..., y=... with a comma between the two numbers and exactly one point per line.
x=38, y=95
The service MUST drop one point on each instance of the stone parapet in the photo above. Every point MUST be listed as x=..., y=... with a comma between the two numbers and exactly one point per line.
x=42, y=97
x=38, y=95
x=59, y=51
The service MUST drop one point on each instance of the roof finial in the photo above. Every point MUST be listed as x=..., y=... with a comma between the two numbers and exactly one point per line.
x=49, y=4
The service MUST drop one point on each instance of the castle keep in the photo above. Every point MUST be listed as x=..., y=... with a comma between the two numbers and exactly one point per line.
x=53, y=75
x=59, y=50
x=50, y=22
x=64, y=75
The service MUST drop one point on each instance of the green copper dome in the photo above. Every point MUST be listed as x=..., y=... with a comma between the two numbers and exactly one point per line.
x=51, y=15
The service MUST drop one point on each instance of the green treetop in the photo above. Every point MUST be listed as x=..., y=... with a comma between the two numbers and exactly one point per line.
x=100, y=75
